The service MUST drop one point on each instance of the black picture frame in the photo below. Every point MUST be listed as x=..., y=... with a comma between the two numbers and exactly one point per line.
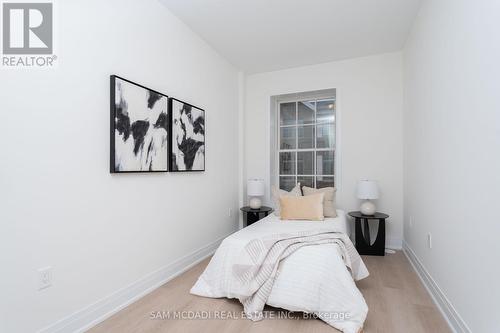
x=172, y=160
x=112, y=154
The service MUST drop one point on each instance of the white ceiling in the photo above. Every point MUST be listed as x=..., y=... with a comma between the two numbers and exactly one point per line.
x=265, y=35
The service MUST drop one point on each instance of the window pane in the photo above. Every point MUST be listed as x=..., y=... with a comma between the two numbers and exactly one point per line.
x=325, y=111
x=287, y=163
x=288, y=114
x=306, y=112
x=322, y=181
x=305, y=163
x=306, y=181
x=307, y=126
x=324, y=162
x=287, y=137
x=306, y=137
x=325, y=136
x=287, y=183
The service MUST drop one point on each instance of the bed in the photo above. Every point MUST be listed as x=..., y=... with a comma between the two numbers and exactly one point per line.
x=312, y=279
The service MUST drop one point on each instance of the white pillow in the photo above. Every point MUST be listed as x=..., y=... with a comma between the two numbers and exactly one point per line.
x=277, y=193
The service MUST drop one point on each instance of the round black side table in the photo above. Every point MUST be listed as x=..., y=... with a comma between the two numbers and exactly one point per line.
x=363, y=242
x=253, y=215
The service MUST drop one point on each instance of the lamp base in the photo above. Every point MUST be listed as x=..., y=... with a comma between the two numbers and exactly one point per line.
x=368, y=208
x=255, y=203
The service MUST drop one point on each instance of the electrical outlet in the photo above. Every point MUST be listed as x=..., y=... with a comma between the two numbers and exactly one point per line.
x=411, y=221
x=429, y=240
x=44, y=278
x=229, y=212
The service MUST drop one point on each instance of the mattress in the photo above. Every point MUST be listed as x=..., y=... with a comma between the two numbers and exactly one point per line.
x=313, y=279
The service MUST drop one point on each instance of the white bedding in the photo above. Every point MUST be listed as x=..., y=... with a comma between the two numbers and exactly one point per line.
x=313, y=279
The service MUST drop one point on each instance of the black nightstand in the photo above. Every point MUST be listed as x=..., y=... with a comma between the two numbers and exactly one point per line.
x=363, y=242
x=253, y=215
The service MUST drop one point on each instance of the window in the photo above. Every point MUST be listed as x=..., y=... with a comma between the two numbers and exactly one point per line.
x=306, y=143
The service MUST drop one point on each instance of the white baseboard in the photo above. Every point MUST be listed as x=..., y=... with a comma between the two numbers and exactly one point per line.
x=93, y=314
x=455, y=321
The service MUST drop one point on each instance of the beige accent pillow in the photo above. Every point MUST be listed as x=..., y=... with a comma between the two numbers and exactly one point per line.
x=277, y=193
x=329, y=209
x=302, y=208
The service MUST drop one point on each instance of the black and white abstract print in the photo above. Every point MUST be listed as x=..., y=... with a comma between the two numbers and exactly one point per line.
x=140, y=128
x=188, y=137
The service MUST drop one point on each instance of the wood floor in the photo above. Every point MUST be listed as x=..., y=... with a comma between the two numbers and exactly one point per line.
x=396, y=299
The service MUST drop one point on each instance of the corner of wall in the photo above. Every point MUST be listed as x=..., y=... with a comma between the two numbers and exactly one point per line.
x=241, y=143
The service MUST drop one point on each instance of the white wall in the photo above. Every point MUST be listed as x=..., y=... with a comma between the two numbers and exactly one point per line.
x=60, y=207
x=452, y=163
x=369, y=94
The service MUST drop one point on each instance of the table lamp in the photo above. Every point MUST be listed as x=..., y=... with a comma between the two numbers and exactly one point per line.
x=255, y=189
x=368, y=190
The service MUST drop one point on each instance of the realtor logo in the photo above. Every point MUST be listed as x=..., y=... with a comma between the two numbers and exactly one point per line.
x=27, y=29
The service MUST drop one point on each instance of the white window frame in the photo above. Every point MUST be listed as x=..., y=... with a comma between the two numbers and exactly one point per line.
x=276, y=101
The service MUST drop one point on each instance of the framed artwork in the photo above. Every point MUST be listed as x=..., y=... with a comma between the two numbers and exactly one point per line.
x=187, y=139
x=139, y=127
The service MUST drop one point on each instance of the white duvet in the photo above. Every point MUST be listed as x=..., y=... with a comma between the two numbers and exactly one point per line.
x=313, y=279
